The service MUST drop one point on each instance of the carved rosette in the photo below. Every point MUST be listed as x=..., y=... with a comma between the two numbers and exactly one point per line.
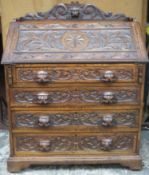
x=75, y=143
x=125, y=119
x=83, y=96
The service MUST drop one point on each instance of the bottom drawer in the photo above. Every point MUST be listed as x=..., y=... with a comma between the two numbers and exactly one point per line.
x=82, y=143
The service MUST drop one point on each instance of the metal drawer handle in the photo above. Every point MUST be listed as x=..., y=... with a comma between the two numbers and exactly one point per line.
x=108, y=77
x=44, y=121
x=43, y=98
x=44, y=145
x=106, y=144
x=108, y=98
x=108, y=121
x=42, y=77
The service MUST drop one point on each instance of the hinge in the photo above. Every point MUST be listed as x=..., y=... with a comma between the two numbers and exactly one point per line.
x=9, y=73
x=140, y=74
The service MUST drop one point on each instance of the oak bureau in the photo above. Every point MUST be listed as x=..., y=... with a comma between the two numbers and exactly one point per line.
x=75, y=85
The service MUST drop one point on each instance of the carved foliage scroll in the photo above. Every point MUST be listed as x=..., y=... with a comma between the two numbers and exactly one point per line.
x=30, y=120
x=75, y=10
x=75, y=143
x=78, y=74
x=74, y=96
x=66, y=40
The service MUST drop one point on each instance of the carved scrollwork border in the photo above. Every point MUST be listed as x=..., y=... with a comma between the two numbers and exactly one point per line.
x=75, y=10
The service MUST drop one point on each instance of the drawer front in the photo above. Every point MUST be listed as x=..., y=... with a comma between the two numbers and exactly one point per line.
x=75, y=96
x=83, y=73
x=30, y=144
x=87, y=120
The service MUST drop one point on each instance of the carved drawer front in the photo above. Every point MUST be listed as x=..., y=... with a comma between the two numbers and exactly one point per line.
x=51, y=74
x=75, y=143
x=87, y=120
x=75, y=96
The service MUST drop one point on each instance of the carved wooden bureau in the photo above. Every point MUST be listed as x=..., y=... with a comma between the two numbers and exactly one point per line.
x=74, y=81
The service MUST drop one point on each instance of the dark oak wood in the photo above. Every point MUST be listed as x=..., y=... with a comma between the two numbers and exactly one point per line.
x=74, y=88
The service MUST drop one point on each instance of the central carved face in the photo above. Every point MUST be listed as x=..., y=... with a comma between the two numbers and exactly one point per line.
x=75, y=12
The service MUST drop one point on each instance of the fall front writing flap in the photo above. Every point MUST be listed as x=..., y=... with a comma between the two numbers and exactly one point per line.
x=74, y=41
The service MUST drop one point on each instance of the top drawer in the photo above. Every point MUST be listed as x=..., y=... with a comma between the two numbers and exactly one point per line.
x=49, y=74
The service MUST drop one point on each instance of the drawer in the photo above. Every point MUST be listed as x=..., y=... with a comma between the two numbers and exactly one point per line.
x=35, y=75
x=82, y=143
x=68, y=97
x=81, y=120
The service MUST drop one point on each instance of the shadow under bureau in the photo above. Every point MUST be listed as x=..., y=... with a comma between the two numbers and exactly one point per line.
x=75, y=85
